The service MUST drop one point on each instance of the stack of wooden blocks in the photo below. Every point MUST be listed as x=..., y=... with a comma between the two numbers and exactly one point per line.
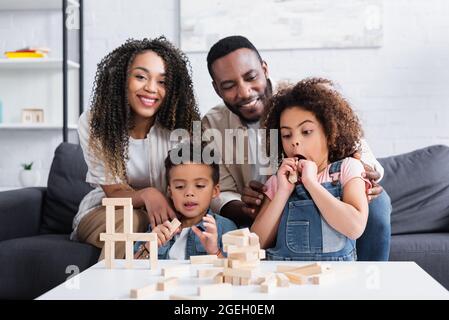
x=244, y=254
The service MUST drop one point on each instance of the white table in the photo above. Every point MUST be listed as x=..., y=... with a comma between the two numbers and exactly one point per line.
x=354, y=280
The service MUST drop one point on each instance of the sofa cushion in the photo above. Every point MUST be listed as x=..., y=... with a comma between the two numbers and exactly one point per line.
x=429, y=250
x=418, y=184
x=33, y=265
x=66, y=188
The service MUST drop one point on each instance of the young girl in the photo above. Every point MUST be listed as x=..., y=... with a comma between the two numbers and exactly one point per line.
x=320, y=216
x=142, y=91
x=192, y=185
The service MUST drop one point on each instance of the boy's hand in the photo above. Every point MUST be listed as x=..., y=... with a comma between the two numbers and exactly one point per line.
x=288, y=166
x=209, y=237
x=164, y=233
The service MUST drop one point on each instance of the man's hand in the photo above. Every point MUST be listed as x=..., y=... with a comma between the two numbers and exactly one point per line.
x=158, y=207
x=209, y=237
x=372, y=175
x=252, y=196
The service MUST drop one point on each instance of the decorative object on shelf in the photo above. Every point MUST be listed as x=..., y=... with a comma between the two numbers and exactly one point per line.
x=32, y=115
x=28, y=52
x=29, y=177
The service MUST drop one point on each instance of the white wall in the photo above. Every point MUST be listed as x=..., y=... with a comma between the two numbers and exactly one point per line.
x=399, y=90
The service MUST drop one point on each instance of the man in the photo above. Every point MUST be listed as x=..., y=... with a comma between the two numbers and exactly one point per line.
x=241, y=78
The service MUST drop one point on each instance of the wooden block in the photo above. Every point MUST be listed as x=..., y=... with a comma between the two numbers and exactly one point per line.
x=243, y=264
x=153, y=255
x=293, y=177
x=269, y=284
x=243, y=273
x=236, y=240
x=147, y=236
x=244, y=281
x=235, y=281
x=249, y=249
x=175, y=223
x=205, y=273
x=253, y=239
x=110, y=219
x=215, y=290
x=167, y=283
x=296, y=278
x=180, y=270
x=261, y=254
x=219, y=278
x=129, y=254
x=244, y=256
x=117, y=202
x=306, y=270
x=128, y=219
x=324, y=278
x=113, y=237
x=221, y=263
x=239, y=232
x=203, y=259
x=141, y=292
x=109, y=254
x=227, y=279
x=282, y=280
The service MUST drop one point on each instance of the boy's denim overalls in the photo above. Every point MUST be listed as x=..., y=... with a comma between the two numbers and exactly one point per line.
x=303, y=234
x=194, y=246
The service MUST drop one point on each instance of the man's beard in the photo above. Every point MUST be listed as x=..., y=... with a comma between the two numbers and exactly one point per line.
x=263, y=99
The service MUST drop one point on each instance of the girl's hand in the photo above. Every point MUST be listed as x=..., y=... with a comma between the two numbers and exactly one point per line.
x=308, y=171
x=158, y=207
x=164, y=233
x=288, y=166
x=209, y=237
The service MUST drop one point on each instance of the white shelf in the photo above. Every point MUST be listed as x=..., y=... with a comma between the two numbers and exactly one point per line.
x=35, y=63
x=33, y=4
x=34, y=126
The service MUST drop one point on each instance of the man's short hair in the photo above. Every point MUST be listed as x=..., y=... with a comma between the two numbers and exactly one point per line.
x=227, y=45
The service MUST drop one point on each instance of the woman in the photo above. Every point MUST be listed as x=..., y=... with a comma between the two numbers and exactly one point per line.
x=143, y=90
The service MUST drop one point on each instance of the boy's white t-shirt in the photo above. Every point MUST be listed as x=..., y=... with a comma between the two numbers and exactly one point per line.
x=178, y=250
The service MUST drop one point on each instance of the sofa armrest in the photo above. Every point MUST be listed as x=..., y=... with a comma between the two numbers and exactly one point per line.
x=20, y=212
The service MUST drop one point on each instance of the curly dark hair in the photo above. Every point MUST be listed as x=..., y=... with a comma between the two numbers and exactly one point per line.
x=317, y=95
x=111, y=116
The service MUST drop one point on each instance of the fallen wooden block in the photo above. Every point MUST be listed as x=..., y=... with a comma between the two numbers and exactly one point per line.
x=141, y=292
x=324, y=278
x=183, y=297
x=244, y=281
x=203, y=259
x=215, y=290
x=219, y=278
x=269, y=284
x=296, y=278
x=212, y=272
x=306, y=270
x=282, y=280
x=180, y=270
x=167, y=283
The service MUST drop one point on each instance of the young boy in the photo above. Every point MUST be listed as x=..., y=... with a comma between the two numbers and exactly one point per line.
x=191, y=186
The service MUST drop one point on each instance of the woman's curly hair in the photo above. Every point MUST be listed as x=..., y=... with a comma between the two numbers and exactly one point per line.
x=340, y=123
x=111, y=116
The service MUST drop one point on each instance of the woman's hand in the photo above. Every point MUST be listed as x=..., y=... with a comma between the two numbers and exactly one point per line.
x=209, y=237
x=288, y=166
x=308, y=172
x=158, y=207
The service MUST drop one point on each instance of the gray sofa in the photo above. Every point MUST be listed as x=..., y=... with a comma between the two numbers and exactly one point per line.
x=35, y=223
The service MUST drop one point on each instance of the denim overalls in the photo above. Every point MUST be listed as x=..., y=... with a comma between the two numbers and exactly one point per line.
x=303, y=234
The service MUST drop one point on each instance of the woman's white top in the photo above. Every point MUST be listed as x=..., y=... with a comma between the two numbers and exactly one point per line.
x=145, y=167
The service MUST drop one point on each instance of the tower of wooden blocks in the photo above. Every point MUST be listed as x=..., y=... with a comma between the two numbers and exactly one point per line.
x=244, y=254
x=110, y=237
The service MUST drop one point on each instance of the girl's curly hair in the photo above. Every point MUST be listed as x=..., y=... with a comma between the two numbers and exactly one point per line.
x=341, y=125
x=111, y=116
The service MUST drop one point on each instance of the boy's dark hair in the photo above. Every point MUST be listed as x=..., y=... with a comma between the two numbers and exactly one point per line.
x=227, y=45
x=192, y=158
x=340, y=123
